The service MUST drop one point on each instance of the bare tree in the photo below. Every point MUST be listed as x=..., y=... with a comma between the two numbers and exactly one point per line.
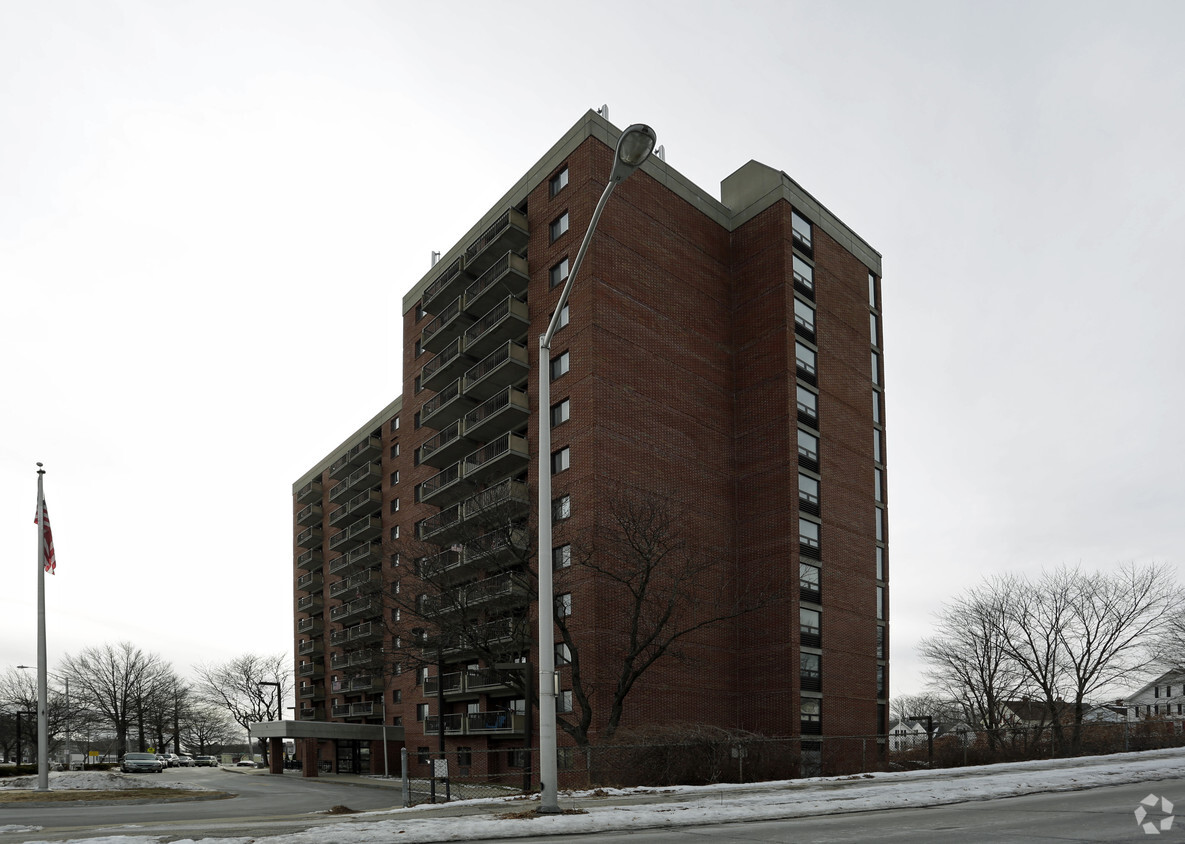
x=641, y=560
x=243, y=687
x=205, y=726
x=115, y=680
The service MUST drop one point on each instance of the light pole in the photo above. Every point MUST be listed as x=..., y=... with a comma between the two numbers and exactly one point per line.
x=633, y=147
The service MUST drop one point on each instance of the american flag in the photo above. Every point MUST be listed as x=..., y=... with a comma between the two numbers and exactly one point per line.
x=51, y=563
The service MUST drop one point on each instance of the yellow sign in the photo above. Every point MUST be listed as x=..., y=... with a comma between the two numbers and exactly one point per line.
x=93, y=753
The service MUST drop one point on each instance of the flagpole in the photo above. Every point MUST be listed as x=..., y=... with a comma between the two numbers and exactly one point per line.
x=42, y=692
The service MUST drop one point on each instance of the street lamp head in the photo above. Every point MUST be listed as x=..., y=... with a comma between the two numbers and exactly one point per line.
x=633, y=147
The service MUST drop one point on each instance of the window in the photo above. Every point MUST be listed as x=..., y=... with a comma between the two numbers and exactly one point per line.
x=416, y=420
x=518, y=758
x=395, y=424
x=880, y=642
x=563, y=701
x=394, y=505
x=880, y=525
x=808, y=578
x=804, y=357
x=563, y=605
x=808, y=403
x=395, y=450
x=873, y=329
x=559, y=365
x=808, y=446
x=465, y=756
x=880, y=603
x=880, y=563
x=424, y=755
x=880, y=681
x=395, y=532
x=804, y=316
x=419, y=350
x=420, y=312
x=876, y=407
x=804, y=274
x=563, y=654
x=810, y=666
x=809, y=622
x=421, y=711
x=563, y=758
x=561, y=412
x=563, y=320
x=808, y=533
x=558, y=182
x=876, y=368
x=876, y=446
x=559, y=273
x=397, y=696
x=871, y=290
x=800, y=227
x=561, y=508
x=808, y=490
x=811, y=709
x=561, y=460
x=561, y=557
x=558, y=226
x=421, y=676
x=878, y=484
x=395, y=477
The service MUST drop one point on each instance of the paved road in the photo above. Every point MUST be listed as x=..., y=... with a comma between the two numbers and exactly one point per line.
x=1099, y=814
x=260, y=797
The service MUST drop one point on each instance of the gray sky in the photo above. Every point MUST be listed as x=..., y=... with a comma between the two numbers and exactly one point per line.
x=196, y=200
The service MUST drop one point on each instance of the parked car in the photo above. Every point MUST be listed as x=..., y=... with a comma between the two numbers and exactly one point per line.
x=133, y=763
x=171, y=759
x=245, y=762
x=205, y=761
x=184, y=761
x=164, y=760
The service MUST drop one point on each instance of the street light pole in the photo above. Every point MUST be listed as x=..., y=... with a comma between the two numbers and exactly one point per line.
x=633, y=147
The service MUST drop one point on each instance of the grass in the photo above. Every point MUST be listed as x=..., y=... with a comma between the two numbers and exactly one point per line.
x=80, y=795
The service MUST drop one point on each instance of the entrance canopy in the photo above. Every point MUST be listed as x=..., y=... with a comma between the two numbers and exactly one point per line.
x=329, y=730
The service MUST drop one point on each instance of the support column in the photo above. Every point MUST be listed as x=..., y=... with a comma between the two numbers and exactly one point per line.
x=275, y=755
x=308, y=757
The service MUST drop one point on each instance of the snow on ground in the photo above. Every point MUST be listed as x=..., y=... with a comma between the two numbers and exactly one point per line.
x=98, y=781
x=695, y=806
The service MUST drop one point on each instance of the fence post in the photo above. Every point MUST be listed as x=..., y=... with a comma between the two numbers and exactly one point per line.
x=406, y=781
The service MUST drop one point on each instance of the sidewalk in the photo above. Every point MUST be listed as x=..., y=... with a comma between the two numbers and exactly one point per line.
x=615, y=810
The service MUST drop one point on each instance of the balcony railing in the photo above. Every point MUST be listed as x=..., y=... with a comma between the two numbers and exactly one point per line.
x=308, y=626
x=370, y=474
x=503, y=410
x=505, y=366
x=310, y=560
x=509, y=274
x=507, y=320
x=309, y=492
x=309, y=647
x=309, y=537
x=454, y=724
x=366, y=451
x=494, y=722
x=352, y=582
x=355, y=607
x=447, y=406
x=309, y=582
x=444, y=487
x=447, y=447
x=364, y=556
x=502, y=456
x=309, y=603
x=369, y=501
x=508, y=233
x=309, y=515
x=366, y=528
x=445, y=367
x=449, y=283
x=436, y=334
x=453, y=684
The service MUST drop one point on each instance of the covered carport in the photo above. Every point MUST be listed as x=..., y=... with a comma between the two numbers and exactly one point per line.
x=309, y=735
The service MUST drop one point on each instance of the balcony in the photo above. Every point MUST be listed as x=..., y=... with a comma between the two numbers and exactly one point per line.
x=503, y=634
x=358, y=634
x=309, y=515
x=445, y=367
x=437, y=528
x=454, y=683
x=357, y=607
x=365, y=709
x=367, y=475
x=309, y=603
x=446, y=448
x=489, y=680
x=363, y=557
x=508, y=320
x=498, y=548
x=310, y=537
x=356, y=685
x=367, y=501
x=309, y=493
x=509, y=233
x=309, y=626
x=508, y=276
x=488, y=723
x=310, y=669
x=504, y=456
x=340, y=710
x=311, y=713
x=454, y=724
x=502, y=368
x=448, y=323
x=435, y=567
x=363, y=530
x=500, y=590
x=498, y=505
x=311, y=692
x=311, y=582
x=355, y=582
x=367, y=451
x=445, y=487
x=504, y=410
x=310, y=560
x=310, y=647
x=446, y=287
x=446, y=407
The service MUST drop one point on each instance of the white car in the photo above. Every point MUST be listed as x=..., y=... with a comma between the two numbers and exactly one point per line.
x=245, y=762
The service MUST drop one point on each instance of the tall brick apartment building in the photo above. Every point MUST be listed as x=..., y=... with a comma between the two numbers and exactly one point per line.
x=722, y=357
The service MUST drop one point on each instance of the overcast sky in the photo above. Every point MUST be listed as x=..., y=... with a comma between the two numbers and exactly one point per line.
x=209, y=213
